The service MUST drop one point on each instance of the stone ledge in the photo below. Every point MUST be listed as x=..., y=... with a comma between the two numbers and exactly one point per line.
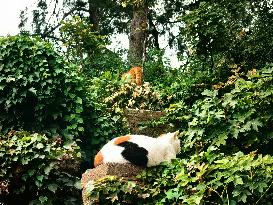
x=137, y=117
x=109, y=169
x=116, y=169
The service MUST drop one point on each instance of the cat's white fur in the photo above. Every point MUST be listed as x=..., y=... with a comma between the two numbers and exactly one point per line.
x=163, y=148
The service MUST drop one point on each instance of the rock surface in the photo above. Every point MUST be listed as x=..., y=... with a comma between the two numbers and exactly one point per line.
x=110, y=169
x=137, y=117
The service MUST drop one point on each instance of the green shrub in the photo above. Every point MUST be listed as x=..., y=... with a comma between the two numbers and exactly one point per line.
x=154, y=69
x=38, y=170
x=136, y=97
x=101, y=123
x=103, y=86
x=237, y=120
x=184, y=86
x=38, y=90
x=101, y=62
x=206, y=178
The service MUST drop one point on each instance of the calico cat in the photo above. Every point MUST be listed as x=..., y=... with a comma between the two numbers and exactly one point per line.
x=134, y=75
x=139, y=150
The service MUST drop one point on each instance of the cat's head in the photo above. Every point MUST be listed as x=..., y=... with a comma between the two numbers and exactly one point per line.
x=172, y=138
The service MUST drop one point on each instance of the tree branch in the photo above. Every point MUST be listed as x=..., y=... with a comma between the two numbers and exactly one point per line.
x=153, y=30
x=45, y=34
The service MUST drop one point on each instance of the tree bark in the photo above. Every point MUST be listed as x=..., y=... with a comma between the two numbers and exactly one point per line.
x=138, y=35
x=93, y=15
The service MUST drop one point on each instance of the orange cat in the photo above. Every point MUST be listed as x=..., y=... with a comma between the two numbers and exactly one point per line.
x=134, y=75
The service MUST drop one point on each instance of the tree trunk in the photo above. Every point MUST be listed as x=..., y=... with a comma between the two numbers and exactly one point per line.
x=93, y=15
x=138, y=35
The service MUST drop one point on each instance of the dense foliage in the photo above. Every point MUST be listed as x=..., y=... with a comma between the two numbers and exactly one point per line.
x=39, y=91
x=87, y=48
x=218, y=34
x=203, y=179
x=38, y=169
x=218, y=128
x=236, y=120
x=220, y=100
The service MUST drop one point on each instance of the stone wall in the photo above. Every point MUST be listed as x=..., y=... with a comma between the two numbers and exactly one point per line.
x=127, y=171
x=136, y=118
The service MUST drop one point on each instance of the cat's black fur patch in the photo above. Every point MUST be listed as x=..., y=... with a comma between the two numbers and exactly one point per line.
x=134, y=154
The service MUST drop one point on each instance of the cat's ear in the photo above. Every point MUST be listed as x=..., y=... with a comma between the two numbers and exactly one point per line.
x=175, y=134
x=170, y=136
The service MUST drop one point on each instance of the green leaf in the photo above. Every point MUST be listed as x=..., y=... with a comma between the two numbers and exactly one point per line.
x=43, y=199
x=238, y=180
x=40, y=146
x=31, y=172
x=243, y=198
x=52, y=187
x=221, y=140
x=81, y=129
x=232, y=202
x=78, y=185
x=33, y=90
x=40, y=178
x=210, y=93
x=79, y=100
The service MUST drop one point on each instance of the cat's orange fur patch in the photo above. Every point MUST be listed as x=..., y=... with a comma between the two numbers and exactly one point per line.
x=121, y=139
x=98, y=159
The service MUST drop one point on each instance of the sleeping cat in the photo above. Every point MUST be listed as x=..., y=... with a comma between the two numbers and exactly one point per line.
x=134, y=75
x=139, y=150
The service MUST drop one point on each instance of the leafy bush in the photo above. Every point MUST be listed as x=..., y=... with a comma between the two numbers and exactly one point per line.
x=38, y=90
x=239, y=119
x=206, y=178
x=103, y=86
x=102, y=62
x=101, y=123
x=154, y=67
x=38, y=170
x=184, y=86
x=138, y=97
